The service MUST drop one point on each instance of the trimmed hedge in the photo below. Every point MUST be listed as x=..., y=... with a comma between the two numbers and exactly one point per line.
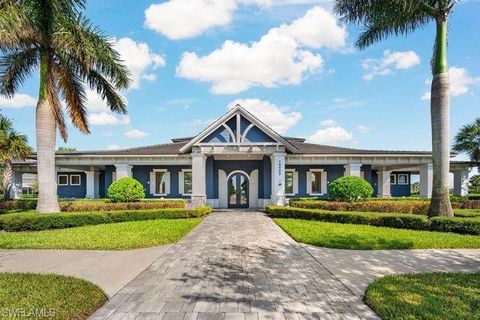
x=392, y=220
x=126, y=190
x=350, y=189
x=385, y=206
x=37, y=222
x=94, y=205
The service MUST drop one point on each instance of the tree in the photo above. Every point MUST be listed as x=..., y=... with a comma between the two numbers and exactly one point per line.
x=65, y=149
x=70, y=53
x=415, y=188
x=474, y=184
x=383, y=18
x=467, y=140
x=13, y=146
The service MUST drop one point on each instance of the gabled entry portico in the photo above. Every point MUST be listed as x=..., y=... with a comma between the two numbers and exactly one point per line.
x=238, y=162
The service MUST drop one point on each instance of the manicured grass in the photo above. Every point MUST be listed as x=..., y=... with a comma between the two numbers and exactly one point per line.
x=115, y=236
x=35, y=296
x=363, y=237
x=467, y=213
x=426, y=296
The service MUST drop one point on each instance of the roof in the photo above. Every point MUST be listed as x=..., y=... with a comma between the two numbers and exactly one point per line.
x=303, y=148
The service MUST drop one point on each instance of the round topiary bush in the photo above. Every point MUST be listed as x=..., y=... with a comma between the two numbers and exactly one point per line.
x=126, y=190
x=350, y=189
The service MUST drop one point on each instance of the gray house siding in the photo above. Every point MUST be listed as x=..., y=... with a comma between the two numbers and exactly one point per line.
x=70, y=191
x=396, y=190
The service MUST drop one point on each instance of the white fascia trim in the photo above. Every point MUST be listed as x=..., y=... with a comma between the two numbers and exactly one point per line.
x=227, y=116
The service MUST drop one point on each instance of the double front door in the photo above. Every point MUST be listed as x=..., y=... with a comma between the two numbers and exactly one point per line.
x=238, y=191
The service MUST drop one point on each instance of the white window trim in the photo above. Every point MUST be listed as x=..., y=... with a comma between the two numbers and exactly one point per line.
x=295, y=182
x=79, y=180
x=394, y=179
x=153, y=182
x=181, y=184
x=407, y=179
x=58, y=179
x=323, y=186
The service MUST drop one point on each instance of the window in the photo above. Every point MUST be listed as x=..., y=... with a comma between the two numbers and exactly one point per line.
x=160, y=183
x=289, y=182
x=62, y=180
x=75, y=180
x=393, y=179
x=403, y=178
x=187, y=182
x=316, y=182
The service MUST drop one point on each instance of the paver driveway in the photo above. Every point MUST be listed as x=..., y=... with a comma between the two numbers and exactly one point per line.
x=235, y=265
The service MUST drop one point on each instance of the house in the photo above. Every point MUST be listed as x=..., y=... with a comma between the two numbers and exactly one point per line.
x=238, y=161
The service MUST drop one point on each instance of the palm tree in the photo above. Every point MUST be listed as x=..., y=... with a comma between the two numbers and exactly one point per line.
x=468, y=140
x=55, y=38
x=383, y=18
x=13, y=146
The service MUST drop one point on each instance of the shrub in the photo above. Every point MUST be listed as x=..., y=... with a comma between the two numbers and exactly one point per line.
x=126, y=190
x=383, y=206
x=94, y=205
x=392, y=220
x=37, y=222
x=350, y=189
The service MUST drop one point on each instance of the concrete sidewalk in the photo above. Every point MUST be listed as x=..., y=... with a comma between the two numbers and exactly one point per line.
x=356, y=269
x=110, y=270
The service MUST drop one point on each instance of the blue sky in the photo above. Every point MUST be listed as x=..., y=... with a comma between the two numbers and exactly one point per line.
x=289, y=61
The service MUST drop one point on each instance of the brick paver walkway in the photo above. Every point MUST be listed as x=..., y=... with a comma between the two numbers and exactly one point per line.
x=235, y=265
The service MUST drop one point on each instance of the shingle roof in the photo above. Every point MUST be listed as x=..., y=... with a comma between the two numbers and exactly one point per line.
x=303, y=148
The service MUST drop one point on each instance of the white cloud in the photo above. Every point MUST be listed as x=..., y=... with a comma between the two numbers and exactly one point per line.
x=339, y=100
x=391, y=60
x=279, y=119
x=182, y=19
x=135, y=133
x=278, y=58
x=330, y=136
x=460, y=82
x=107, y=118
x=328, y=123
x=113, y=147
x=139, y=59
x=20, y=100
x=363, y=128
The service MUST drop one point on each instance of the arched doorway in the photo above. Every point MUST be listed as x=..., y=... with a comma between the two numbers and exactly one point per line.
x=238, y=189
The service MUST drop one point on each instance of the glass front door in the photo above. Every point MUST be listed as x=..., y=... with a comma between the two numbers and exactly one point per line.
x=238, y=191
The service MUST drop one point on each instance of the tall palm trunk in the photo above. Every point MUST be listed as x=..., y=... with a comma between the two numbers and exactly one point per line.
x=440, y=114
x=46, y=138
x=7, y=179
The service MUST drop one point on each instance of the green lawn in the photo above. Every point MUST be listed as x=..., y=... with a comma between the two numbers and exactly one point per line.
x=363, y=237
x=35, y=296
x=426, y=296
x=467, y=213
x=115, y=236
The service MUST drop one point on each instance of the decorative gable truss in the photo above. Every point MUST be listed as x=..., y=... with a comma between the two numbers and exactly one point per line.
x=239, y=128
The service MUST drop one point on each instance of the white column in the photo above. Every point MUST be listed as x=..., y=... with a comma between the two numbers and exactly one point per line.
x=123, y=170
x=426, y=180
x=353, y=169
x=92, y=183
x=384, y=183
x=17, y=184
x=199, y=183
x=278, y=178
x=460, y=183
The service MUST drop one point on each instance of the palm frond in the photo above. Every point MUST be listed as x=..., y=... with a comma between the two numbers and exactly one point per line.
x=383, y=18
x=92, y=48
x=17, y=29
x=74, y=94
x=15, y=67
x=53, y=99
x=467, y=140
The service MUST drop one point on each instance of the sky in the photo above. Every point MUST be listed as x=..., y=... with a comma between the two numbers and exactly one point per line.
x=290, y=62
